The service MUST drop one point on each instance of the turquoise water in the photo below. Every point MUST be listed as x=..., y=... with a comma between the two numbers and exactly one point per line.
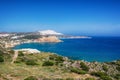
x=102, y=49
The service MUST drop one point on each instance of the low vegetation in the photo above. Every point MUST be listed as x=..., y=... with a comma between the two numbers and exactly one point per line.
x=84, y=67
x=31, y=78
x=117, y=76
x=118, y=68
x=78, y=71
x=31, y=62
x=56, y=58
x=90, y=79
x=31, y=37
x=1, y=59
x=105, y=68
x=48, y=63
x=102, y=75
x=20, y=53
x=47, y=66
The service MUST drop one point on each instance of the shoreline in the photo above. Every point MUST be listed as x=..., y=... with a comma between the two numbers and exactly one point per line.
x=50, y=39
x=27, y=49
x=32, y=41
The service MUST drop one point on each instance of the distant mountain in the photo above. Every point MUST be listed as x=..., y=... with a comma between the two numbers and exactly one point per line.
x=49, y=32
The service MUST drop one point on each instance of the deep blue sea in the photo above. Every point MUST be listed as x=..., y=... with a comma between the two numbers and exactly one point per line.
x=102, y=49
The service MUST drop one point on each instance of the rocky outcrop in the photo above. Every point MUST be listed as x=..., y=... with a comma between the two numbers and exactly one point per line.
x=48, y=39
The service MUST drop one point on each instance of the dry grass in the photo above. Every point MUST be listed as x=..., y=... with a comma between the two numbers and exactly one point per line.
x=19, y=71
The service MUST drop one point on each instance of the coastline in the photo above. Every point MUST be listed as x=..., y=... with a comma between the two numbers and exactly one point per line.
x=14, y=43
x=30, y=62
x=73, y=50
x=50, y=39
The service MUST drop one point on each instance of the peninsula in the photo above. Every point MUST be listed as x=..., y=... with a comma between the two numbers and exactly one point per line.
x=13, y=39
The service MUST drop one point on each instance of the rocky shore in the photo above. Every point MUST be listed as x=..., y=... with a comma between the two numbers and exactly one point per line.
x=12, y=43
x=48, y=39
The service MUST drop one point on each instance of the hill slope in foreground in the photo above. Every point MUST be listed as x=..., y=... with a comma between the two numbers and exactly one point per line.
x=49, y=66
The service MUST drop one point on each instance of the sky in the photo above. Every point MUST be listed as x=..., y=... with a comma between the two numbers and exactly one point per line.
x=80, y=17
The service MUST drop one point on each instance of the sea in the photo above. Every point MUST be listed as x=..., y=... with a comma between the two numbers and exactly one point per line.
x=101, y=49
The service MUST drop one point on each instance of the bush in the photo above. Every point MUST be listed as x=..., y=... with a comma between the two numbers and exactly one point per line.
x=31, y=78
x=105, y=78
x=78, y=71
x=31, y=62
x=59, y=59
x=102, y=75
x=31, y=37
x=46, y=79
x=117, y=76
x=1, y=59
x=105, y=68
x=69, y=79
x=1, y=53
x=89, y=79
x=98, y=74
x=56, y=58
x=84, y=67
x=48, y=63
x=11, y=51
x=118, y=68
x=20, y=53
x=58, y=79
x=17, y=61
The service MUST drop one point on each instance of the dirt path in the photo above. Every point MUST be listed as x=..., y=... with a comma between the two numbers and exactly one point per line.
x=15, y=56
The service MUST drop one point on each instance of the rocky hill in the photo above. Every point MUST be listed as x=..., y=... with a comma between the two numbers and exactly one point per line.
x=48, y=39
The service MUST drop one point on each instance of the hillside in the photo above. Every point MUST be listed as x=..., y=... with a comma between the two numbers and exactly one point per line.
x=49, y=66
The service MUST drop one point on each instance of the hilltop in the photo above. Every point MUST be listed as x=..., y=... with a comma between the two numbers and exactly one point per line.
x=49, y=32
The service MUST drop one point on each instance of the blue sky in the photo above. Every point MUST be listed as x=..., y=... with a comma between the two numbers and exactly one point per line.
x=82, y=17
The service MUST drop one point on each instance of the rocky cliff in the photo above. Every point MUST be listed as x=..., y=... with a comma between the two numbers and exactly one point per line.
x=48, y=39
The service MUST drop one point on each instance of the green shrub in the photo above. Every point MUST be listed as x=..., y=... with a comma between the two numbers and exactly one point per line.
x=102, y=75
x=90, y=79
x=31, y=37
x=1, y=59
x=1, y=53
x=58, y=79
x=48, y=63
x=105, y=78
x=31, y=62
x=17, y=61
x=84, y=67
x=69, y=79
x=105, y=68
x=118, y=68
x=52, y=57
x=78, y=71
x=20, y=53
x=31, y=78
x=59, y=59
x=11, y=51
x=46, y=79
x=117, y=76
x=98, y=74
x=56, y=58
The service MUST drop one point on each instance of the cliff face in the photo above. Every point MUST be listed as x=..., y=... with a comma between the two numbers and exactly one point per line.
x=48, y=39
